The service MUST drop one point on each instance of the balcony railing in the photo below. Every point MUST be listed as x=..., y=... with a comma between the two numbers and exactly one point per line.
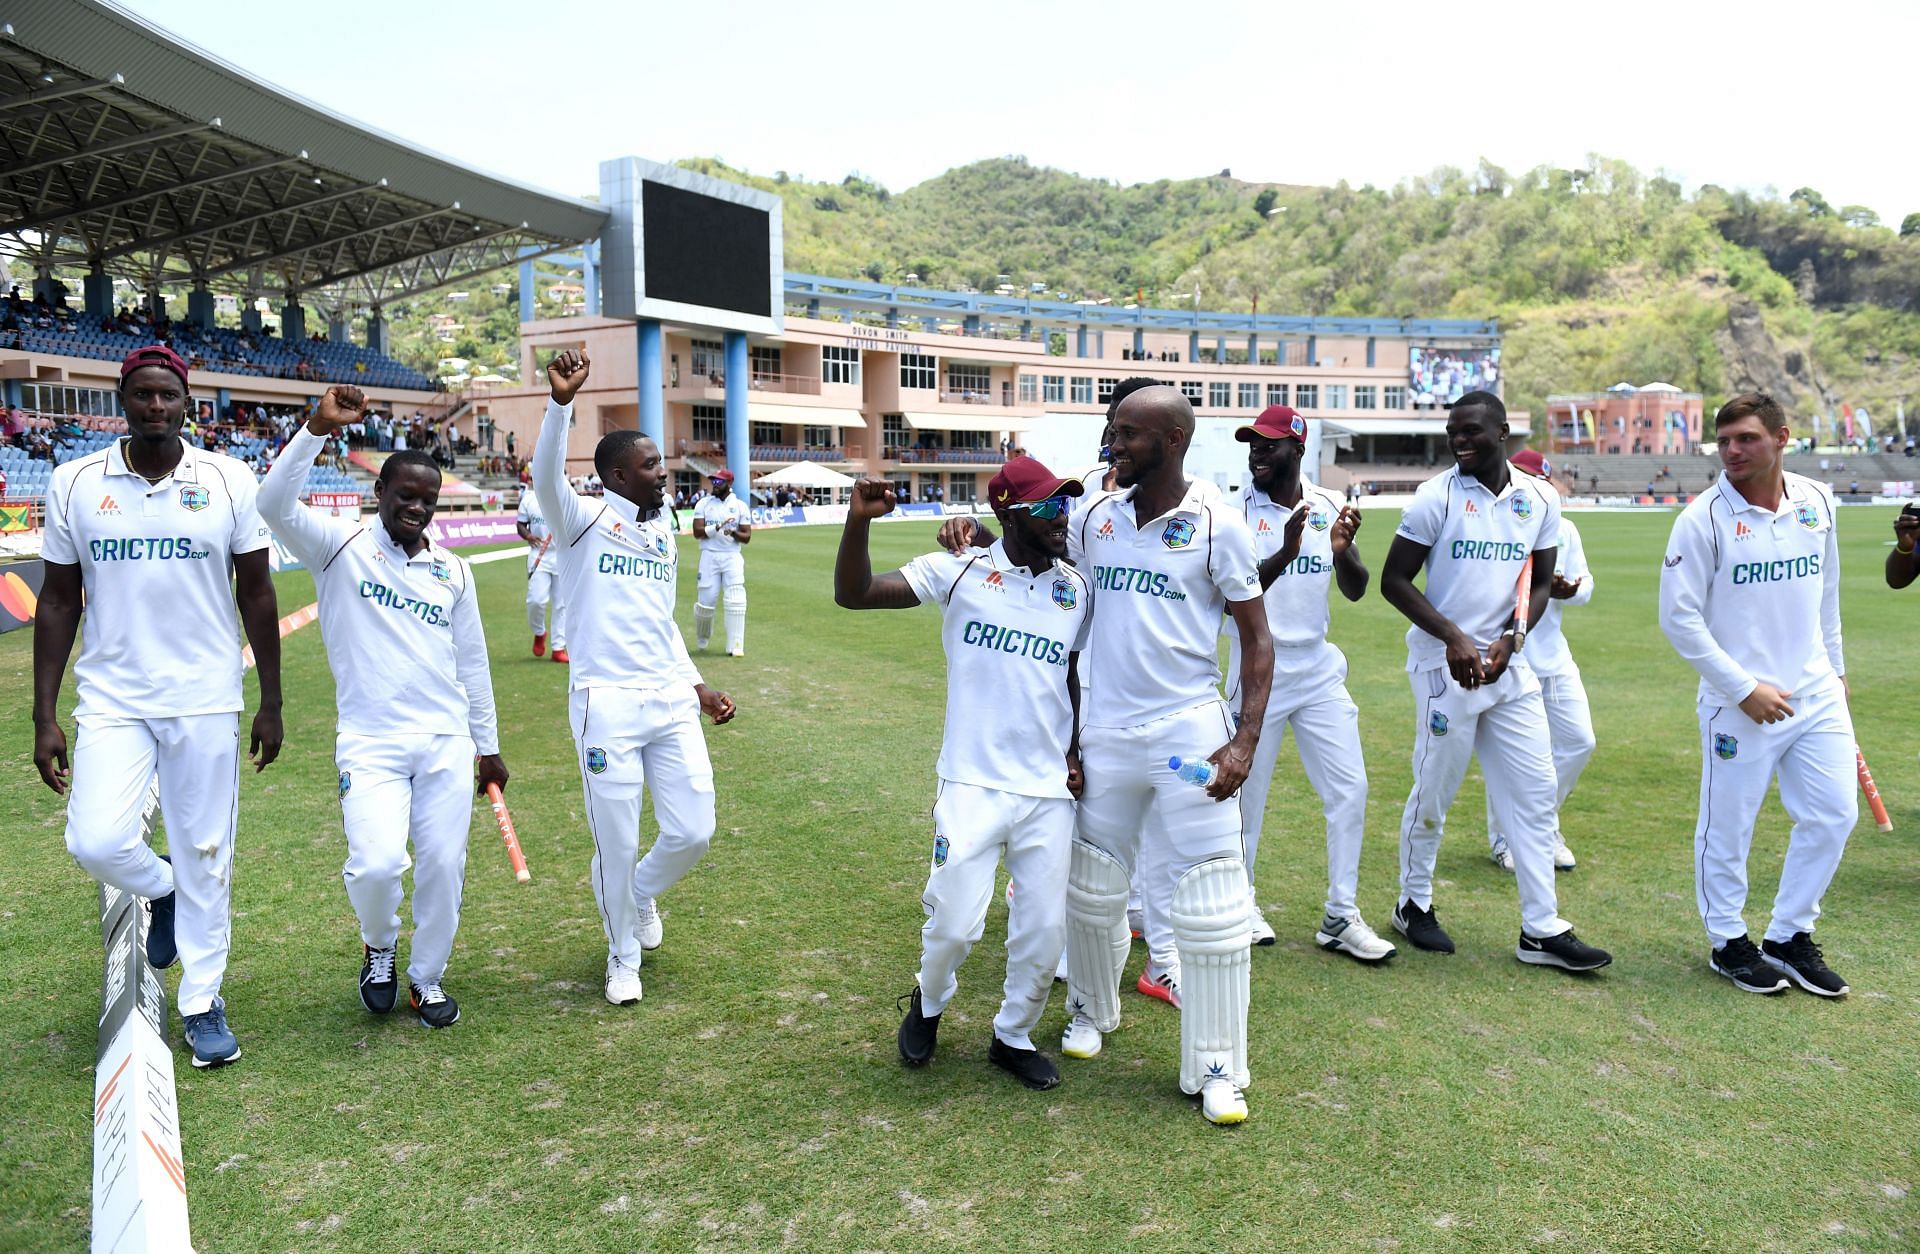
x=800, y=384
x=1004, y=397
x=794, y=453
x=947, y=456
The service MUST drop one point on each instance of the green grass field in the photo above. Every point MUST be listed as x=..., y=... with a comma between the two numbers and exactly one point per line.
x=755, y=1097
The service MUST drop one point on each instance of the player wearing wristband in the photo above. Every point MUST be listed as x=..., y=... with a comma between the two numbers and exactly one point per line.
x=723, y=524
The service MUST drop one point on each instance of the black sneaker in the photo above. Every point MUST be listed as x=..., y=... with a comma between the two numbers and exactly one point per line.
x=435, y=1008
x=1740, y=962
x=377, y=984
x=1421, y=928
x=1566, y=951
x=918, y=1032
x=1800, y=961
x=161, y=951
x=1031, y=1067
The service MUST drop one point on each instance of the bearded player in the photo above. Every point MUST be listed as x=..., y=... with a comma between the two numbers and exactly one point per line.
x=723, y=524
x=1304, y=539
x=635, y=698
x=1014, y=621
x=401, y=620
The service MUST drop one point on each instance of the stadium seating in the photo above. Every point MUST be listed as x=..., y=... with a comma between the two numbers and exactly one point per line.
x=28, y=477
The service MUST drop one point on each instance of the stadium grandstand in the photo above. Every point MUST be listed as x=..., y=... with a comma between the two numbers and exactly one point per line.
x=179, y=195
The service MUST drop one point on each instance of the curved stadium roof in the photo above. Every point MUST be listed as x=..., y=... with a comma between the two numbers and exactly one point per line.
x=125, y=148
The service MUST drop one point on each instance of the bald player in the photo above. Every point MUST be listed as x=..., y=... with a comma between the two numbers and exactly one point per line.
x=636, y=698
x=1472, y=529
x=1304, y=538
x=157, y=542
x=1014, y=621
x=1750, y=597
x=416, y=723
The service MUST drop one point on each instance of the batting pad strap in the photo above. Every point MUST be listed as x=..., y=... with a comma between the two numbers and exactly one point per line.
x=1097, y=937
x=1212, y=929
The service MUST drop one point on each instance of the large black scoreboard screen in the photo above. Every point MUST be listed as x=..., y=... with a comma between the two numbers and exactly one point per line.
x=702, y=250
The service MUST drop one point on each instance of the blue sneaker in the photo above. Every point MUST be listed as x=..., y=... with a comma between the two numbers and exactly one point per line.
x=161, y=951
x=207, y=1033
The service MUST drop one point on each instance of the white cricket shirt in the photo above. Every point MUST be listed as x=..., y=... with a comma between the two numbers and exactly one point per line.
x=619, y=573
x=1749, y=595
x=160, y=634
x=1296, y=602
x=1546, y=649
x=535, y=520
x=720, y=517
x=1476, y=544
x=403, y=634
x=1162, y=587
x=1008, y=634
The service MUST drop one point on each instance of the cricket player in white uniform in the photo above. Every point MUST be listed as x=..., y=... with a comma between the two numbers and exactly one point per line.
x=723, y=524
x=543, y=577
x=1165, y=565
x=1750, y=597
x=1014, y=619
x=1303, y=536
x=1569, y=720
x=1473, y=529
x=151, y=530
x=402, y=627
x=635, y=698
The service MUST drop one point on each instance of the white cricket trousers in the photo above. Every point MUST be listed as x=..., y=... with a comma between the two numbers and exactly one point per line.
x=1570, y=727
x=628, y=738
x=543, y=587
x=1812, y=755
x=1143, y=815
x=197, y=759
x=1310, y=695
x=396, y=788
x=973, y=827
x=1506, y=724
x=722, y=573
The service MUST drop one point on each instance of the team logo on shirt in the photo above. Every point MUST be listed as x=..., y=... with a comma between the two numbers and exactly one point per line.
x=1064, y=594
x=1472, y=508
x=596, y=759
x=995, y=582
x=1319, y=520
x=940, y=851
x=107, y=506
x=1672, y=561
x=1742, y=532
x=1179, y=533
x=1522, y=506
x=346, y=782
x=660, y=544
x=1725, y=746
x=1437, y=724
x=1106, y=530
x=195, y=498
x=441, y=571
x=1263, y=526
x=1807, y=517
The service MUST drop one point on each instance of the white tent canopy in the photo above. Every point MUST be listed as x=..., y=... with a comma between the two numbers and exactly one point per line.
x=804, y=475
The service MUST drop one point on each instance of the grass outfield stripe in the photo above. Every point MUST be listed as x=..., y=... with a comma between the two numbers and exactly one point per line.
x=756, y=1099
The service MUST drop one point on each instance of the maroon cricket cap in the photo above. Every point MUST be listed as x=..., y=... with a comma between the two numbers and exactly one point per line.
x=154, y=355
x=1024, y=481
x=1276, y=422
x=1532, y=462
x=722, y=476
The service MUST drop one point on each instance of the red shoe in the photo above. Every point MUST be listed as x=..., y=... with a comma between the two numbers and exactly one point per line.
x=1162, y=984
x=540, y=645
x=560, y=655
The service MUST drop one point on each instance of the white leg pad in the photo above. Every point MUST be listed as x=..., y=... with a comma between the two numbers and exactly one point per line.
x=1212, y=929
x=702, y=624
x=736, y=617
x=1097, y=935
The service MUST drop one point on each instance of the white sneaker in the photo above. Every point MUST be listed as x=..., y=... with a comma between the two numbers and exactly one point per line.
x=1262, y=933
x=1502, y=856
x=1351, y=935
x=623, y=983
x=1221, y=1101
x=647, y=926
x=1081, y=1039
x=1562, y=856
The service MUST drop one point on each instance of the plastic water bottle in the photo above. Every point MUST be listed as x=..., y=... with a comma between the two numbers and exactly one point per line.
x=1198, y=773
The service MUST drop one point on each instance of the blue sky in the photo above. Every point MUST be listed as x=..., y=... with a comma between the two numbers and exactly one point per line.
x=1751, y=95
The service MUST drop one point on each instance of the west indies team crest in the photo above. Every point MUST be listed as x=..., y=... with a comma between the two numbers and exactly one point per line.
x=346, y=782
x=1437, y=724
x=441, y=571
x=194, y=498
x=1807, y=517
x=596, y=759
x=940, y=851
x=1522, y=505
x=1319, y=520
x=1725, y=747
x=1064, y=595
x=1179, y=533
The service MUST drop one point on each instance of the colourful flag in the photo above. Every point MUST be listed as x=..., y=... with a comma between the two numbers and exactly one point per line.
x=16, y=516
